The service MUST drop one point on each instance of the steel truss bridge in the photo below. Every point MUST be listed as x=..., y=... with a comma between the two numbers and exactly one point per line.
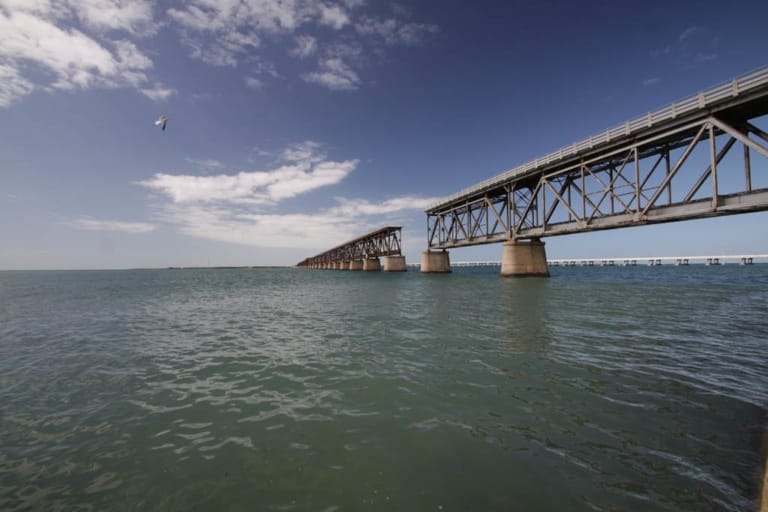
x=386, y=241
x=692, y=159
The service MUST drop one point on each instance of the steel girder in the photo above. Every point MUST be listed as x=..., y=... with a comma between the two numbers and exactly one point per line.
x=386, y=241
x=667, y=176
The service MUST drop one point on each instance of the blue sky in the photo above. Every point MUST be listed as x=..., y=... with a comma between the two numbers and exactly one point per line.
x=297, y=125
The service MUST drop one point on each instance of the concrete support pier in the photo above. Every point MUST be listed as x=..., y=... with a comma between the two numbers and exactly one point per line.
x=435, y=262
x=524, y=258
x=394, y=264
x=356, y=265
x=344, y=265
x=370, y=264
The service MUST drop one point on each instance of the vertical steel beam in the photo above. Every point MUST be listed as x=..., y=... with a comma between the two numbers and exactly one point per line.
x=713, y=164
x=637, y=180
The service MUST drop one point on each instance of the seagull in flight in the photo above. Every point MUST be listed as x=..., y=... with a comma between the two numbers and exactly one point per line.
x=162, y=121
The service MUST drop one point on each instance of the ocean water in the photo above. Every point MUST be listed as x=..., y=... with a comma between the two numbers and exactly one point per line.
x=631, y=389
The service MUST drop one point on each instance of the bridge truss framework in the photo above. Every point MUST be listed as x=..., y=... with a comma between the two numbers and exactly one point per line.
x=693, y=159
x=386, y=241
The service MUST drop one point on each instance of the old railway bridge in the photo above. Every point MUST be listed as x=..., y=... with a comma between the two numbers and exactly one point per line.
x=363, y=253
x=695, y=158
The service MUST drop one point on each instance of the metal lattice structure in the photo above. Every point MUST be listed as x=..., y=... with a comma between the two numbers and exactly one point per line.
x=692, y=159
x=386, y=241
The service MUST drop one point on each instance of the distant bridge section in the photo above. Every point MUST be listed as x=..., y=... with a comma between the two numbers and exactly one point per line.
x=692, y=159
x=363, y=253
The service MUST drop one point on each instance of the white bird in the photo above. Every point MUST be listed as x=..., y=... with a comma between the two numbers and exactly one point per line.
x=162, y=121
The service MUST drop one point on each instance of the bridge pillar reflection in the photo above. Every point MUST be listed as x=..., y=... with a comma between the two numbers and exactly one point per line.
x=394, y=264
x=524, y=258
x=435, y=262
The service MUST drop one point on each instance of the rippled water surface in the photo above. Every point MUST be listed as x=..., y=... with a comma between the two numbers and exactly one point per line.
x=284, y=389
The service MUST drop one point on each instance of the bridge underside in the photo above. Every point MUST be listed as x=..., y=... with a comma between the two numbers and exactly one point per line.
x=708, y=165
x=385, y=242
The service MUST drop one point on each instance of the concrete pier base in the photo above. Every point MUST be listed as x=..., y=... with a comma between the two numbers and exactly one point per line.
x=356, y=265
x=370, y=264
x=394, y=264
x=344, y=265
x=435, y=262
x=522, y=259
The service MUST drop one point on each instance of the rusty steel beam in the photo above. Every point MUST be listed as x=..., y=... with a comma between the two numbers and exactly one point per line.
x=386, y=241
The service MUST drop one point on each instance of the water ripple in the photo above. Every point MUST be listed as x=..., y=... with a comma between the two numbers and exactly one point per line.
x=295, y=390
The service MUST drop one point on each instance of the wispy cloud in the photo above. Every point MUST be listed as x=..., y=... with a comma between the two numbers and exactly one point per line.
x=307, y=171
x=243, y=208
x=323, y=228
x=334, y=74
x=648, y=82
x=306, y=46
x=694, y=45
x=226, y=33
x=206, y=164
x=111, y=225
x=58, y=45
x=254, y=83
x=158, y=93
x=393, y=31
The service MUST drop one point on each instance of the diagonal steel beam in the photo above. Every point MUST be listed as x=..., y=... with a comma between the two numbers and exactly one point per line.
x=675, y=169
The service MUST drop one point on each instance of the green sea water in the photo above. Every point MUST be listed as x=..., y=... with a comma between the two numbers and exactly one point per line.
x=631, y=389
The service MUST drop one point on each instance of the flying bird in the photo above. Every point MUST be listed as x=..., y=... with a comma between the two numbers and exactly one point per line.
x=162, y=121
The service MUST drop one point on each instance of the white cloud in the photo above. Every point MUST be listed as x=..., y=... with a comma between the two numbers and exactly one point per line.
x=12, y=85
x=333, y=15
x=70, y=58
x=127, y=15
x=356, y=207
x=335, y=75
x=111, y=225
x=306, y=171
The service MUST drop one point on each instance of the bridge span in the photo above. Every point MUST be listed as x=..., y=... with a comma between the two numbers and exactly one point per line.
x=362, y=253
x=700, y=157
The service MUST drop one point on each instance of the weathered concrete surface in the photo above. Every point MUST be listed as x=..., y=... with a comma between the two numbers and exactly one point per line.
x=344, y=265
x=371, y=264
x=356, y=265
x=522, y=259
x=394, y=264
x=438, y=262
